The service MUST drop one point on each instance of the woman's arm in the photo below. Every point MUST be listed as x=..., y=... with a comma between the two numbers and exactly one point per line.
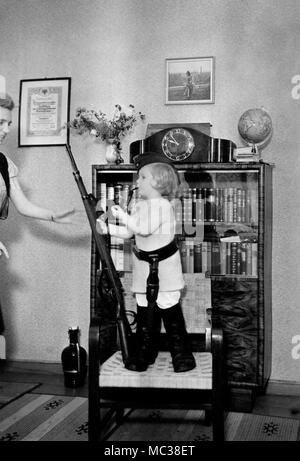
x=27, y=208
x=3, y=250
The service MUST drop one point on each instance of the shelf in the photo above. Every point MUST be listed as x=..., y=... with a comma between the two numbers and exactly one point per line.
x=129, y=167
x=240, y=278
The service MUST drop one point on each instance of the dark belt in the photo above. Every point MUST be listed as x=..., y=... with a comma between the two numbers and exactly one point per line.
x=160, y=254
x=153, y=258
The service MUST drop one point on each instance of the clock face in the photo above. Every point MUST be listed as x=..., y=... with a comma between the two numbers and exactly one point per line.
x=178, y=144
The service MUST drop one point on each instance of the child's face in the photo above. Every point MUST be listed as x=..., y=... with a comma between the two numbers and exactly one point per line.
x=145, y=182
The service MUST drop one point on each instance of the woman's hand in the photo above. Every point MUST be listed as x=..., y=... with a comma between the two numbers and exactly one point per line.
x=63, y=217
x=3, y=250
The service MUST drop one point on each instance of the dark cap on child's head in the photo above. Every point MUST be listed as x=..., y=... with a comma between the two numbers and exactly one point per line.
x=150, y=157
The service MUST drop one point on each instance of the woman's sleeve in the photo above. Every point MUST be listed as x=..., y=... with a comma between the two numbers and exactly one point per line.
x=12, y=168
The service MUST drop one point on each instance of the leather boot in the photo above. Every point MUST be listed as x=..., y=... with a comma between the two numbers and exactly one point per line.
x=147, y=336
x=177, y=336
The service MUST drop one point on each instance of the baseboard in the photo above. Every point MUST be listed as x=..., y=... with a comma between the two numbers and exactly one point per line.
x=2, y=348
x=279, y=387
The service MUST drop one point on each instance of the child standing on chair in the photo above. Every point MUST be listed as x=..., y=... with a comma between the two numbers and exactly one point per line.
x=153, y=225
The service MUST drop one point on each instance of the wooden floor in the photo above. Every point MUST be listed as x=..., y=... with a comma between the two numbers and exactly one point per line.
x=50, y=375
x=52, y=382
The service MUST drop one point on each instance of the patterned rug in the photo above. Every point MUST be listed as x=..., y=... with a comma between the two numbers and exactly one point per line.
x=34, y=417
x=10, y=391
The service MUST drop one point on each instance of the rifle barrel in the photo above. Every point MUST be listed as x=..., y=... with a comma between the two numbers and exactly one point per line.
x=123, y=324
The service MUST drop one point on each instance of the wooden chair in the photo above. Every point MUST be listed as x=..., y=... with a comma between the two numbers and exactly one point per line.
x=113, y=388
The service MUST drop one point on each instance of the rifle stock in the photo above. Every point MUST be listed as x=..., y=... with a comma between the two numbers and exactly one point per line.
x=89, y=201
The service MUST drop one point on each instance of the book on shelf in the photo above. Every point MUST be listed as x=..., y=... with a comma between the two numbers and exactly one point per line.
x=183, y=254
x=254, y=205
x=223, y=249
x=128, y=244
x=254, y=249
x=117, y=252
x=243, y=259
x=249, y=258
x=204, y=257
x=246, y=154
x=117, y=194
x=215, y=258
x=190, y=256
x=233, y=258
x=197, y=257
x=210, y=205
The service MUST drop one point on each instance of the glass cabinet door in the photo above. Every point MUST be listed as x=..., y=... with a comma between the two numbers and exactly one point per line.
x=217, y=222
x=216, y=219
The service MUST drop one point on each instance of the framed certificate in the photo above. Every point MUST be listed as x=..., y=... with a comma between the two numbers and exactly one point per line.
x=44, y=110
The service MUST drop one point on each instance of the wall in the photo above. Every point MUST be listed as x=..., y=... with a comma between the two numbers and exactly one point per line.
x=115, y=52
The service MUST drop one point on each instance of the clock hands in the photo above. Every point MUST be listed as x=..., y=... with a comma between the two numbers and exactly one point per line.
x=173, y=140
x=177, y=144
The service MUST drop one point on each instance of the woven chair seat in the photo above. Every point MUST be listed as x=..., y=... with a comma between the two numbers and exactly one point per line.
x=159, y=375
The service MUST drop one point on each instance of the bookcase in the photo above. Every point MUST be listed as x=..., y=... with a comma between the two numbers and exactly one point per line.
x=224, y=233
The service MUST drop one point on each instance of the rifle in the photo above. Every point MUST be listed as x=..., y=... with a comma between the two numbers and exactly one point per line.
x=111, y=284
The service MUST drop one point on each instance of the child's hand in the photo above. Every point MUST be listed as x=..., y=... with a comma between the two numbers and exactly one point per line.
x=101, y=227
x=118, y=213
x=3, y=250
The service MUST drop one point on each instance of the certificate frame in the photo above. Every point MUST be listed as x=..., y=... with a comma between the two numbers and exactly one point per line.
x=190, y=80
x=44, y=112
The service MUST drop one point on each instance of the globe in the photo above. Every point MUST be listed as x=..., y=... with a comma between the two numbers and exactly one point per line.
x=255, y=127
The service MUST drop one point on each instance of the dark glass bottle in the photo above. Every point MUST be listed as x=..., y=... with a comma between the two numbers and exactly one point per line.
x=74, y=359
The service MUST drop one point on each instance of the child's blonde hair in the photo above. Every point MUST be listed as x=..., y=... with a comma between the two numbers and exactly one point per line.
x=166, y=179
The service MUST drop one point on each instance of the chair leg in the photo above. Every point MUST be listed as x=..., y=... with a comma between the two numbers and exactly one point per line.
x=114, y=418
x=218, y=385
x=120, y=416
x=218, y=426
x=207, y=417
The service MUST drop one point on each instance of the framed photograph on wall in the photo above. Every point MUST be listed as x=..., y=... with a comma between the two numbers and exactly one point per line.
x=190, y=80
x=44, y=110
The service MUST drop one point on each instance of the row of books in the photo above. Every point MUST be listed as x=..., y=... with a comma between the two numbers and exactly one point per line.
x=229, y=204
x=119, y=194
x=217, y=258
x=197, y=205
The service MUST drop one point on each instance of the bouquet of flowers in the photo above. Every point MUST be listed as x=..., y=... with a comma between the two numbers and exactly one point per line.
x=96, y=123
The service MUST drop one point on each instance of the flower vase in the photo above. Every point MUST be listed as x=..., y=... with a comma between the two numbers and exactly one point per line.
x=111, y=152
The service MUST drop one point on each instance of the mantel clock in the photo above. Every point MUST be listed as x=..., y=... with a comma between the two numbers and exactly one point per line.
x=184, y=144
